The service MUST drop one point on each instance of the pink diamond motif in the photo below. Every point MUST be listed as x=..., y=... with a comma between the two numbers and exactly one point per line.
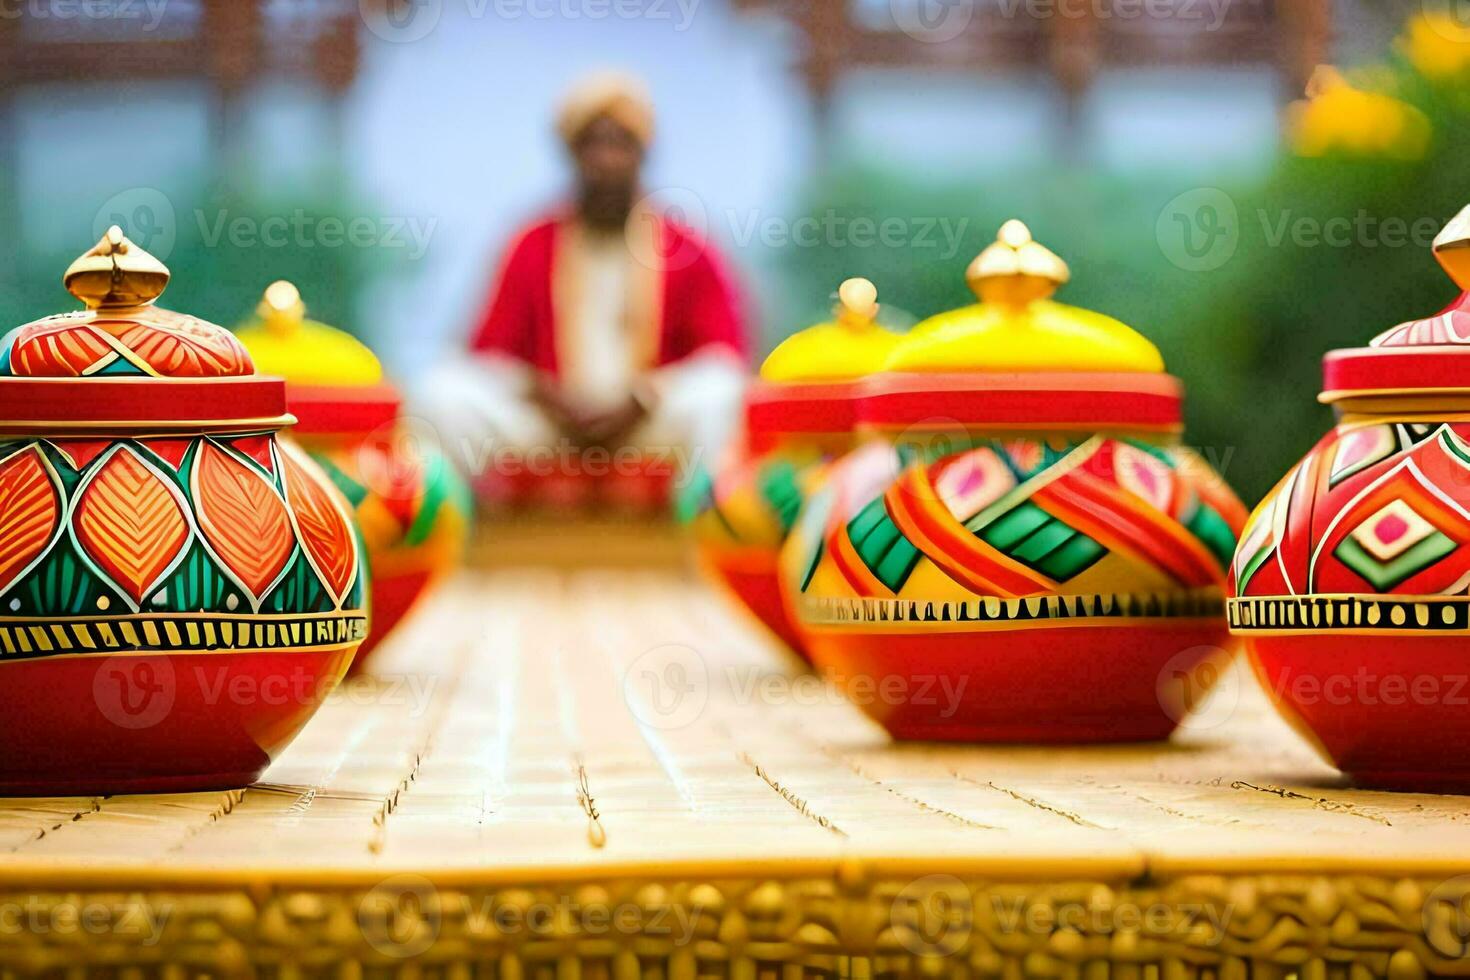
x=1392, y=530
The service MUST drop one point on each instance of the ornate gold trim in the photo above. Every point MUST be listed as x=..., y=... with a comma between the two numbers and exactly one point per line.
x=993, y=612
x=1395, y=615
x=846, y=925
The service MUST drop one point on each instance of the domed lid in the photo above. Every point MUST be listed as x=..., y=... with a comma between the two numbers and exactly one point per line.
x=1019, y=359
x=807, y=382
x=123, y=363
x=1422, y=363
x=334, y=382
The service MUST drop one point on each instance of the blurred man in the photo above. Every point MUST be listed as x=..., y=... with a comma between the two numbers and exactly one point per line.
x=609, y=324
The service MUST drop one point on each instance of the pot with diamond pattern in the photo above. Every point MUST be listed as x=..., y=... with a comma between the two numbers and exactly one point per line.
x=1350, y=582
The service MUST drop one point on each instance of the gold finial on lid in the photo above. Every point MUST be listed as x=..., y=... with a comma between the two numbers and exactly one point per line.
x=281, y=308
x=1016, y=270
x=857, y=302
x=1452, y=248
x=116, y=274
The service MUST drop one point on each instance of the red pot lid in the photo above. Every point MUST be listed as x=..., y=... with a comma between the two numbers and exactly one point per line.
x=809, y=385
x=334, y=382
x=801, y=409
x=342, y=410
x=1017, y=359
x=1426, y=358
x=124, y=364
x=1054, y=401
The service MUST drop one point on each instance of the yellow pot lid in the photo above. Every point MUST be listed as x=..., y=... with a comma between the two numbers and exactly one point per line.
x=305, y=352
x=846, y=348
x=1017, y=327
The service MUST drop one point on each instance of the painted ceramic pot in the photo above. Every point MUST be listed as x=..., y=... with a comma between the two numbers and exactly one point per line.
x=1027, y=555
x=409, y=502
x=798, y=418
x=1350, y=582
x=179, y=589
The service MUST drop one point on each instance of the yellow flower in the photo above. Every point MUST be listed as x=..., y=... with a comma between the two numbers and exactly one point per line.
x=1437, y=45
x=1336, y=117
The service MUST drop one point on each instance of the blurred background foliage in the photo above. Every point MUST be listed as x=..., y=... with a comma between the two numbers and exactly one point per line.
x=1330, y=247
x=1244, y=324
x=224, y=284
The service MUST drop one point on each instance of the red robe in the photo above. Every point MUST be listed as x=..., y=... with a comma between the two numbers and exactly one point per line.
x=682, y=301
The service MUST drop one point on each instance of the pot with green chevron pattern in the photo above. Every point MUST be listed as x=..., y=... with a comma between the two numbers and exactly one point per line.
x=1027, y=554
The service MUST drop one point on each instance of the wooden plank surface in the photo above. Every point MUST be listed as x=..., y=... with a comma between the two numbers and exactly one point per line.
x=542, y=723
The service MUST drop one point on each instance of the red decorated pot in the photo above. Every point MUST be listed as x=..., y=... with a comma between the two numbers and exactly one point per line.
x=1026, y=554
x=798, y=418
x=412, y=508
x=179, y=590
x=1350, y=582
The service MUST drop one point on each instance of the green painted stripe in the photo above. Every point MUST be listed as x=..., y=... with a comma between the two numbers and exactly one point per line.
x=1042, y=542
x=1013, y=526
x=1071, y=559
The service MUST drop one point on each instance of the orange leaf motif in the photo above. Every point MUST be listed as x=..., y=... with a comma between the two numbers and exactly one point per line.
x=29, y=512
x=130, y=523
x=321, y=521
x=178, y=346
x=57, y=350
x=242, y=517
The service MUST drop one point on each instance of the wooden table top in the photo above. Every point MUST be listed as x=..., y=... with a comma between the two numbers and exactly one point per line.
x=552, y=729
x=534, y=721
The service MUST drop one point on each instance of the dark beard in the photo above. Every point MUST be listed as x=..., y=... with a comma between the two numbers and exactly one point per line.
x=605, y=208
